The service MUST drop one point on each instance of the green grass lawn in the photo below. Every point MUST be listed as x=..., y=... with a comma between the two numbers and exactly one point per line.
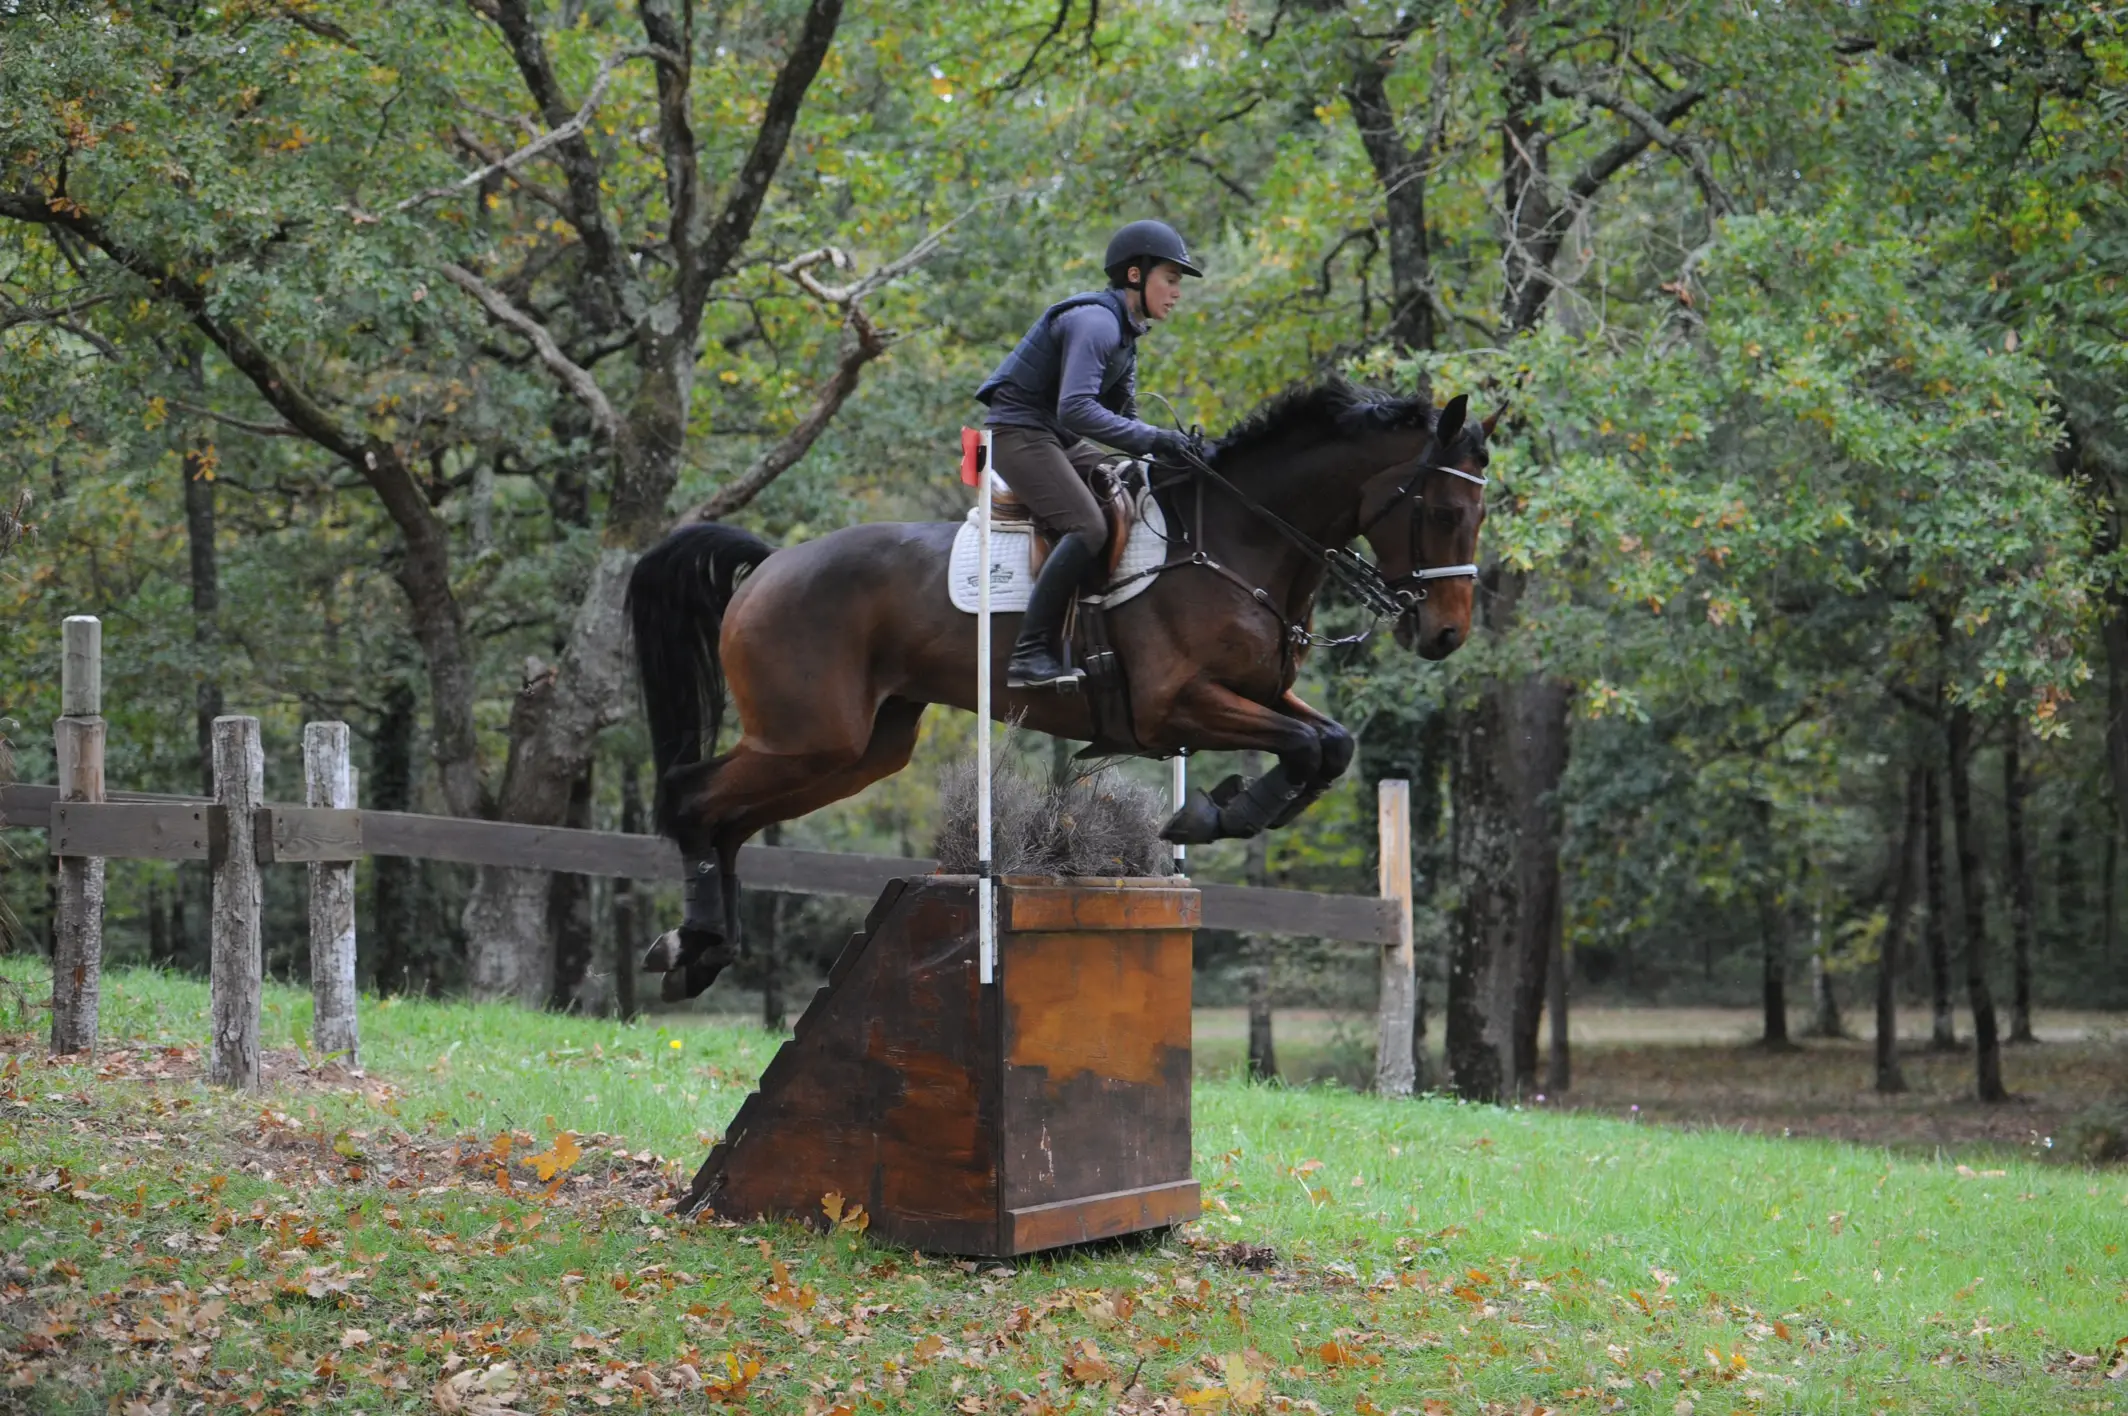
x=352, y=1247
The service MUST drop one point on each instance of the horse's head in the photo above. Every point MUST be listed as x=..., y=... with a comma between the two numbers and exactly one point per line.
x=1421, y=518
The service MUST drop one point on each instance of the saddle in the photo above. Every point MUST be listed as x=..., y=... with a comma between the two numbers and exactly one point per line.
x=1006, y=509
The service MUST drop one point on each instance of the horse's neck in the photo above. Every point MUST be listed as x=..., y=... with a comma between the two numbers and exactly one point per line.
x=1315, y=488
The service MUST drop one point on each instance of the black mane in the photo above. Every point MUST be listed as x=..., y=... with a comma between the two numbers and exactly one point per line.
x=1332, y=408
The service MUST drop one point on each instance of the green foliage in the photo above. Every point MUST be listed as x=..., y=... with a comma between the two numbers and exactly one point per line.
x=1817, y=420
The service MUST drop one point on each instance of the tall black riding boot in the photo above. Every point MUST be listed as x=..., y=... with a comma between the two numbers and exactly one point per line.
x=1038, y=656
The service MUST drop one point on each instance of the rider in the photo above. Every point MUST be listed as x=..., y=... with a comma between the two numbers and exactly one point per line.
x=1074, y=377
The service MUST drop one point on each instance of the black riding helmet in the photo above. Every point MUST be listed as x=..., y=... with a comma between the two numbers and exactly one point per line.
x=1142, y=243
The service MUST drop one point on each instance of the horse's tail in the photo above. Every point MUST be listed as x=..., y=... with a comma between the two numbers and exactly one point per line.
x=676, y=601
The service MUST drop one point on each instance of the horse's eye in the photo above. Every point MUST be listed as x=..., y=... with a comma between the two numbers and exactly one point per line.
x=1447, y=517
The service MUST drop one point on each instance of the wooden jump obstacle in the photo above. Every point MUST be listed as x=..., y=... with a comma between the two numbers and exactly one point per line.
x=1049, y=1107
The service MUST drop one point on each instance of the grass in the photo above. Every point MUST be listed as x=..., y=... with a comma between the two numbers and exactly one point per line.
x=344, y=1244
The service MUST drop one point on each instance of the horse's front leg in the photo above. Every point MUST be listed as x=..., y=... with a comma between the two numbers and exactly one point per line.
x=1209, y=716
x=1337, y=748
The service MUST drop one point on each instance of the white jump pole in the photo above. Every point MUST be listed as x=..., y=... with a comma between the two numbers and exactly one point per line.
x=985, y=900
x=1179, y=773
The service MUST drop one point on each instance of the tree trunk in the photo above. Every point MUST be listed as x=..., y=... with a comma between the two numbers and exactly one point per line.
x=1890, y=1078
x=2070, y=905
x=395, y=957
x=2114, y=636
x=1773, y=972
x=1508, y=760
x=197, y=470
x=1401, y=171
x=1987, y=1047
x=2113, y=853
x=206, y=583
x=1559, y=1069
x=1543, y=704
x=1481, y=1002
x=158, y=933
x=554, y=727
x=2015, y=786
x=1943, y=1036
x=1825, y=1020
x=627, y=930
x=569, y=915
x=1263, y=1054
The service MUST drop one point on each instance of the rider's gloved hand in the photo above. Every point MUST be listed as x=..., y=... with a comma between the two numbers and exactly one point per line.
x=1176, y=448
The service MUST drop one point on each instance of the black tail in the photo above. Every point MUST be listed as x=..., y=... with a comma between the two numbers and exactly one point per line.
x=676, y=602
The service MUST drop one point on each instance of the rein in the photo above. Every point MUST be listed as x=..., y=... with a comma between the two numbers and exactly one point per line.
x=1382, y=598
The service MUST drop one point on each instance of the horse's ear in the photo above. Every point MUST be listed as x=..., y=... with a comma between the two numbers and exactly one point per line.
x=1492, y=420
x=1450, y=425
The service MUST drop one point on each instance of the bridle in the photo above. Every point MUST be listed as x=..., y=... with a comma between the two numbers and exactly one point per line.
x=1382, y=598
x=1410, y=588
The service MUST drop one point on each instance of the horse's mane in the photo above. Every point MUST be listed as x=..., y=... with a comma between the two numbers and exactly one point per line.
x=1333, y=407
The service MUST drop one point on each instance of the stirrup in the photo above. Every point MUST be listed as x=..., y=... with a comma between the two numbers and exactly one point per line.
x=1066, y=679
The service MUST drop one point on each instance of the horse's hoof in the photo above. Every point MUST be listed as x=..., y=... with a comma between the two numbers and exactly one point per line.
x=1197, y=824
x=663, y=956
x=675, y=949
x=694, y=980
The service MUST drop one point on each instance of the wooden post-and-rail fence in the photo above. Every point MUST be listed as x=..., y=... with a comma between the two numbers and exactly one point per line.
x=238, y=834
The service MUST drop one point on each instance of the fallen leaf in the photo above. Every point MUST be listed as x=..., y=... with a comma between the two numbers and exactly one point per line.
x=1085, y=1364
x=564, y=1154
x=1245, y=1390
x=354, y=1337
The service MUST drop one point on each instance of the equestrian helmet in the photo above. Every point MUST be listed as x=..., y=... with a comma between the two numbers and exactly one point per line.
x=1141, y=244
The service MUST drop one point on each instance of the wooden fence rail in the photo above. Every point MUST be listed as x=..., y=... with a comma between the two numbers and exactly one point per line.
x=238, y=835
x=142, y=826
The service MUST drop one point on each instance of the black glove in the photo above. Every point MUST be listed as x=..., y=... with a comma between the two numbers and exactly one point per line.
x=1176, y=448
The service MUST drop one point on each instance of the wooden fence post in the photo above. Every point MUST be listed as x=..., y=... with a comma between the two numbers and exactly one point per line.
x=1395, y=1066
x=328, y=780
x=77, y=938
x=239, y=784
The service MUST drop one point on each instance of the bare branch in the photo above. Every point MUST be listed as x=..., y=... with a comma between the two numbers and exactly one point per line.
x=676, y=136
x=862, y=342
x=735, y=223
x=578, y=379
x=1655, y=130
x=1606, y=164
x=800, y=268
x=264, y=430
x=579, y=164
x=1199, y=160
x=553, y=136
x=1545, y=234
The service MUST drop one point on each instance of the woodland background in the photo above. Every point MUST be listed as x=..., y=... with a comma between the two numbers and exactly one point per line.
x=349, y=354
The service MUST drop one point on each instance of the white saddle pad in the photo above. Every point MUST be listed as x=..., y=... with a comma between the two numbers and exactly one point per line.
x=1011, y=579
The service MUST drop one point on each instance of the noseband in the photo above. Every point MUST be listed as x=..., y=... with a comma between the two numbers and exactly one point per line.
x=1410, y=588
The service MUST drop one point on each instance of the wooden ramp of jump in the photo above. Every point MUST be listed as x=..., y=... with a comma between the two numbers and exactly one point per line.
x=1051, y=1107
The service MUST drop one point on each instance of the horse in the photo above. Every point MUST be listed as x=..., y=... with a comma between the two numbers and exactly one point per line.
x=831, y=649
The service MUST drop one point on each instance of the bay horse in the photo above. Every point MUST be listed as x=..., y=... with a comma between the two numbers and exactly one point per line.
x=833, y=648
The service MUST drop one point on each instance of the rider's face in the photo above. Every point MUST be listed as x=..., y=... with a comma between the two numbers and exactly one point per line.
x=1163, y=288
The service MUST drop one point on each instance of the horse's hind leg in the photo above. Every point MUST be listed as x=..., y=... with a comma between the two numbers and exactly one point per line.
x=693, y=955
x=893, y=742
x=698, y=951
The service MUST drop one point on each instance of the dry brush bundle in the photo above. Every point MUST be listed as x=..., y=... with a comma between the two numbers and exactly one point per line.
x=1094, y=823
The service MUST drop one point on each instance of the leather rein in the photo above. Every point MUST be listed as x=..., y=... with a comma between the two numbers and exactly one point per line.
x=1382, y=598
